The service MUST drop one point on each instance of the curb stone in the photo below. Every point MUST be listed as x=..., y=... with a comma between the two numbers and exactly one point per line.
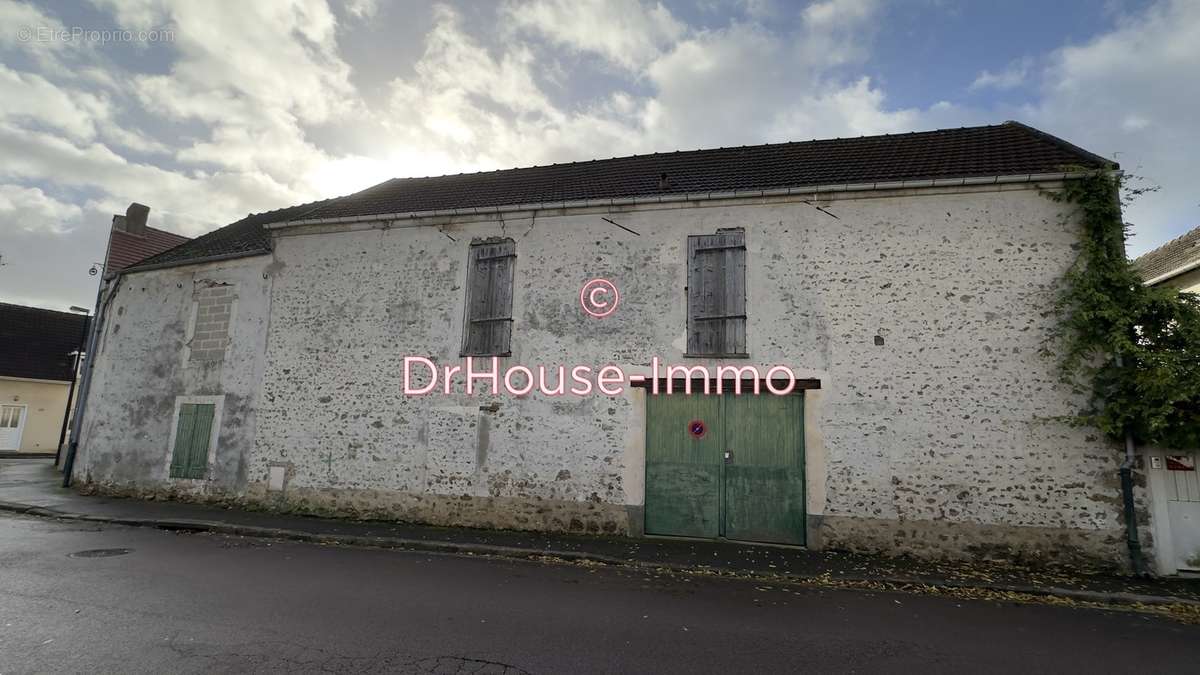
x=447, y=547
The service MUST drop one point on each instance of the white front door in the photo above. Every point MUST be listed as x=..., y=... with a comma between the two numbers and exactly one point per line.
x=12, y=421
x=1183, y=509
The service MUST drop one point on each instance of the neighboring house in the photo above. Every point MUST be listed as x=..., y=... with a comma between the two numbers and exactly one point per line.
x=1175, y=263
x=907, y=281
x=131, y=240
x=37, y=359
x=1172, y=477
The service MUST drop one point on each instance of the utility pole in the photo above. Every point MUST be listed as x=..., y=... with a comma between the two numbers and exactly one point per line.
x=62, y=434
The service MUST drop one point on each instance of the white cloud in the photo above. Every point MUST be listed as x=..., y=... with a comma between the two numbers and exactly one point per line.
x=255, y=100
x=1129, y=94
x=48, y=244
x=1013, y=76
x=363, y=9
x=856, y=109
x=32, y=210
x=20, y=23
x=188, y=204
x=466, y=109
x=746, y=83
x=838, y=14
x=626, y=32
x=32, y=98
x=222, y=50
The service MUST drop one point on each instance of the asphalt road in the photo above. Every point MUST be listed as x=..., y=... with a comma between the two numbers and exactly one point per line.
x=201, y=603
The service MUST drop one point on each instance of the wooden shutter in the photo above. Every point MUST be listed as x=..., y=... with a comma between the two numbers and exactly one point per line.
x=717, y=293
x=488, y=329
x=190, y=456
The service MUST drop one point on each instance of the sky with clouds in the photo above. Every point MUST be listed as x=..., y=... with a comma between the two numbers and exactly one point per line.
x=217, y=109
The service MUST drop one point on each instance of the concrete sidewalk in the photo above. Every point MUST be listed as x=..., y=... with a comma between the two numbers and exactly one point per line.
x=32, y=487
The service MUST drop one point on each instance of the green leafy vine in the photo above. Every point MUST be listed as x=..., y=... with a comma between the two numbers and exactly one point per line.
x=1133, y=350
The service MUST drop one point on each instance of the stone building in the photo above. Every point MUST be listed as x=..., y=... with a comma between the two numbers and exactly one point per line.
x=899, y=286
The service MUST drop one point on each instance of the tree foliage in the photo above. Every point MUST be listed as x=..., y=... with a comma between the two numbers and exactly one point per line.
x=1133, y=350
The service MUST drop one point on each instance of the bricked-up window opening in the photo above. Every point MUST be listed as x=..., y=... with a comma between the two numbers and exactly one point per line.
x=488, y=321
x=716, y=294
x=212, y=316
x=192, y=433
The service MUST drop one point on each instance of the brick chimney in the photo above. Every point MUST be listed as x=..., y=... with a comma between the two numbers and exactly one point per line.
x=134, y=221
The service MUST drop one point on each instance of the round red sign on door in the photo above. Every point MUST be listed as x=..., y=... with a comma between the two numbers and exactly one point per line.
x=697, y=429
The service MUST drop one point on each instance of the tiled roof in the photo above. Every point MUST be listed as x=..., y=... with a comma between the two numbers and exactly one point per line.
x=37, y=343
x=1170, y=256
x=125, y=249
x=1005, y=149
x=245, y=236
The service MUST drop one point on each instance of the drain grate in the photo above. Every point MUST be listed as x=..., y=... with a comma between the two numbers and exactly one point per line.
x=100, y=552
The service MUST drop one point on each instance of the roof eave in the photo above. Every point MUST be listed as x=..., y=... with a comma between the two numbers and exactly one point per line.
x=1167, y=276
x=195, y=261
x=691, y=197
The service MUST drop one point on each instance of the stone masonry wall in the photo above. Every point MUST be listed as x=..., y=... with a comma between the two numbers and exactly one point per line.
x=922, y=315
x=195, y=333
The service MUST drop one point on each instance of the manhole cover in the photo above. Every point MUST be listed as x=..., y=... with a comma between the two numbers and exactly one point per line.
x=100, y=552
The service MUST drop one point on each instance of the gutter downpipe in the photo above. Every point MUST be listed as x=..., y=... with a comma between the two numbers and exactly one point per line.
x=1131, y=527
x=1126, y=471
x=85, y=384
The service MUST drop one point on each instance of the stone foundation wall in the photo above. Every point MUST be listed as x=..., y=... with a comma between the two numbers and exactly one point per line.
x=1100, y=550
x=503, y=513
x=497, y=513
x=948, y=540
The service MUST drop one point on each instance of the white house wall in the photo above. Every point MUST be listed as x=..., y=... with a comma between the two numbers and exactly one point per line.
x=145, y=366
x=940, y=441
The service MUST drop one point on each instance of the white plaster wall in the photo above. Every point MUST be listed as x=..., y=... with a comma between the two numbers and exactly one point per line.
x=949, y=421
x=45, y=402
x=142, y=370
x=1188, y=281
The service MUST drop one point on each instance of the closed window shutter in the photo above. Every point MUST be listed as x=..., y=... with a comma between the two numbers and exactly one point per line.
x=488, y=330
x=183, y=440
x=717, y=293
x=189, y=458
x=198, y=460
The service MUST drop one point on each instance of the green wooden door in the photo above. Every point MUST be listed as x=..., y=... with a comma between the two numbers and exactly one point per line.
x=683, y=469
x=693, y=488
x=764, y=474
x=190, y=456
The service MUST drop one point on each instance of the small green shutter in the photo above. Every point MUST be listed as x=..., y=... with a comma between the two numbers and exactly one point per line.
x=190, y=456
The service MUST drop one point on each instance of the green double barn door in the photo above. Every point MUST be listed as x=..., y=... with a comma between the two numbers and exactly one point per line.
x=725, y=466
